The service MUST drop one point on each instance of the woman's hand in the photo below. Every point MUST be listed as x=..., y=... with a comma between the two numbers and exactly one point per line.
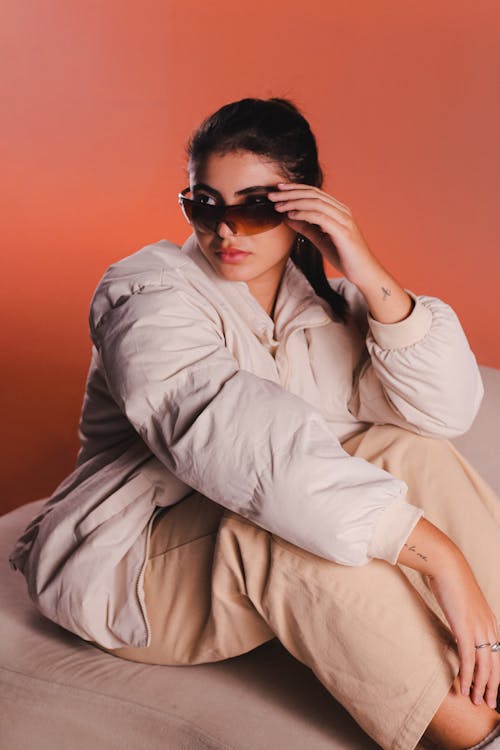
x=471, y=619
x=472, y=623
x=328, y=224
x=331, y=227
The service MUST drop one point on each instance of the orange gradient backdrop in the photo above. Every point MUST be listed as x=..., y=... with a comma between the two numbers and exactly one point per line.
x=98, y=99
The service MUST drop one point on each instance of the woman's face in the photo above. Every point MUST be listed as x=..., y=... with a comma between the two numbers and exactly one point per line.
x=220, y=179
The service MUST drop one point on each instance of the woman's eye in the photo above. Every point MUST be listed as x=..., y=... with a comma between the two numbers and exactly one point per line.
x=202, y=198
x=258, y=200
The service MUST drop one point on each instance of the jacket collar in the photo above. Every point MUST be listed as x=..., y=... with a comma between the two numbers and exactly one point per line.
x=297, y=304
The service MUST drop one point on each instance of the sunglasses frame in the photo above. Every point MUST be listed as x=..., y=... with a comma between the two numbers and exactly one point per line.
x=223, y=214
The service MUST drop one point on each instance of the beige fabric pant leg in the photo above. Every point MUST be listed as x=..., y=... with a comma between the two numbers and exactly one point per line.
x=217, y=585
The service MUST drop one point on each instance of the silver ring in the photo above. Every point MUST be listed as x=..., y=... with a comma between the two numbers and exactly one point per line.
x=483, y=645
x=495, y=646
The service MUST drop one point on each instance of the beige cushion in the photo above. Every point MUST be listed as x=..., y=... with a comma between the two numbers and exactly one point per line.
x=59, y=692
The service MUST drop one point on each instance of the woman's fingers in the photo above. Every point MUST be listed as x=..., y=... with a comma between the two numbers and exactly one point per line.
x=482, y=674
x=487, y=674
x=479, y=669
x=494, y=681
x=324, y=221
x=491, y=688
x=473, y=624
x=330, y=226
x=292, y=191
x=313, y=207
x=467, y=656
x=309, y=230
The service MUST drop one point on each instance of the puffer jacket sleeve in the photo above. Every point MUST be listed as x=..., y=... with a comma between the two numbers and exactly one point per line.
x=240, y=439
x=418, y=373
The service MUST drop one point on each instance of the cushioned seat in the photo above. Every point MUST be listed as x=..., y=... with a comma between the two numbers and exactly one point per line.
x=59, y=692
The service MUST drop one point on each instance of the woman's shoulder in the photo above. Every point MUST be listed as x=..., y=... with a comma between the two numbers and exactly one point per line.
x=148, y=265
x=159, y=266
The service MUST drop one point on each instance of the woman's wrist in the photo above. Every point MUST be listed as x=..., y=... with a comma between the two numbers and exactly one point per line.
x=387, y=301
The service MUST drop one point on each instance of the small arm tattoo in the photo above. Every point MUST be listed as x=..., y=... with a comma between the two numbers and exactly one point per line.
x=414, y=549
x=387, y=292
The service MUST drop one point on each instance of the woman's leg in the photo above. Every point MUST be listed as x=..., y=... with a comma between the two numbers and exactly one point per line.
x=459, y=724
x=218, y=585
x=375, y=635
x=455, y=498
x=364, y=631
x=195, y=601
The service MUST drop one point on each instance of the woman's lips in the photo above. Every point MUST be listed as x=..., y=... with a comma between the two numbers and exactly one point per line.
x=232, y=255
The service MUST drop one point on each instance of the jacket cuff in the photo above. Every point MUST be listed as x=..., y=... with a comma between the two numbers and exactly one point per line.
x=406, y=332
x=393, y=529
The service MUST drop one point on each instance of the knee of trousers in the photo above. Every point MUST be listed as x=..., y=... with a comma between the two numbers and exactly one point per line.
x=390, y=447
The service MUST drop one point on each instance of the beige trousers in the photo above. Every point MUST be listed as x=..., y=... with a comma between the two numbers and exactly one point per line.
x=217, y=585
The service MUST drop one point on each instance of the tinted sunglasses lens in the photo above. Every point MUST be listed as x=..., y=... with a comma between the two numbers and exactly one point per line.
x=244, y=219
x=254, y=218
x=206, y=218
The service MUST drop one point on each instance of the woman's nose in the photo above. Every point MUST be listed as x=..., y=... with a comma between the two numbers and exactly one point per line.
x=223, y=229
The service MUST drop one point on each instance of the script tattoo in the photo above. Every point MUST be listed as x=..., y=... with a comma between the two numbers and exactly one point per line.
x=414, y=549
x=387, y=292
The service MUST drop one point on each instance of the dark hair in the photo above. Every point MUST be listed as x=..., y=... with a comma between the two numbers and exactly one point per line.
x=275, y=129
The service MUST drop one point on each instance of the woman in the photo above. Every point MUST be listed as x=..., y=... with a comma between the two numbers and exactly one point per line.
x=264, y=454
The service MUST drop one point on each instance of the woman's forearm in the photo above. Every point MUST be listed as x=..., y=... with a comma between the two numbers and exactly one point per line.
x=428, y=550
x=386, y=299
x=469, y=615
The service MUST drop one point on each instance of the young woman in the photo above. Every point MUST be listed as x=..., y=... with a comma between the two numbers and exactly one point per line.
x=264, y=454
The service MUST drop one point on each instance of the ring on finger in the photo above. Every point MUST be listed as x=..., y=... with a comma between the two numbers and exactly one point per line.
x=495, y=646
x=483, y=645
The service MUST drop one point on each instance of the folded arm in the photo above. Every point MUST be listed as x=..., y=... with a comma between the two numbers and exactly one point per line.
x=242, y=440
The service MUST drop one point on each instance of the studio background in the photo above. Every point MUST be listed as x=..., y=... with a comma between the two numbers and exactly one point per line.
x=98, y=99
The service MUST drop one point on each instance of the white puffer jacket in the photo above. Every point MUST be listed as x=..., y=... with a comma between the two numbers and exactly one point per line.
x=193, y=386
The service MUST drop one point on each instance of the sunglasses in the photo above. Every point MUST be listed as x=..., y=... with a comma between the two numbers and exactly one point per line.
x=242, y=218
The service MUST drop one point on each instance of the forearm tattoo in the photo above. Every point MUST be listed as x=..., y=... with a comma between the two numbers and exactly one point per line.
x=414, y=549
x=387, y=292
